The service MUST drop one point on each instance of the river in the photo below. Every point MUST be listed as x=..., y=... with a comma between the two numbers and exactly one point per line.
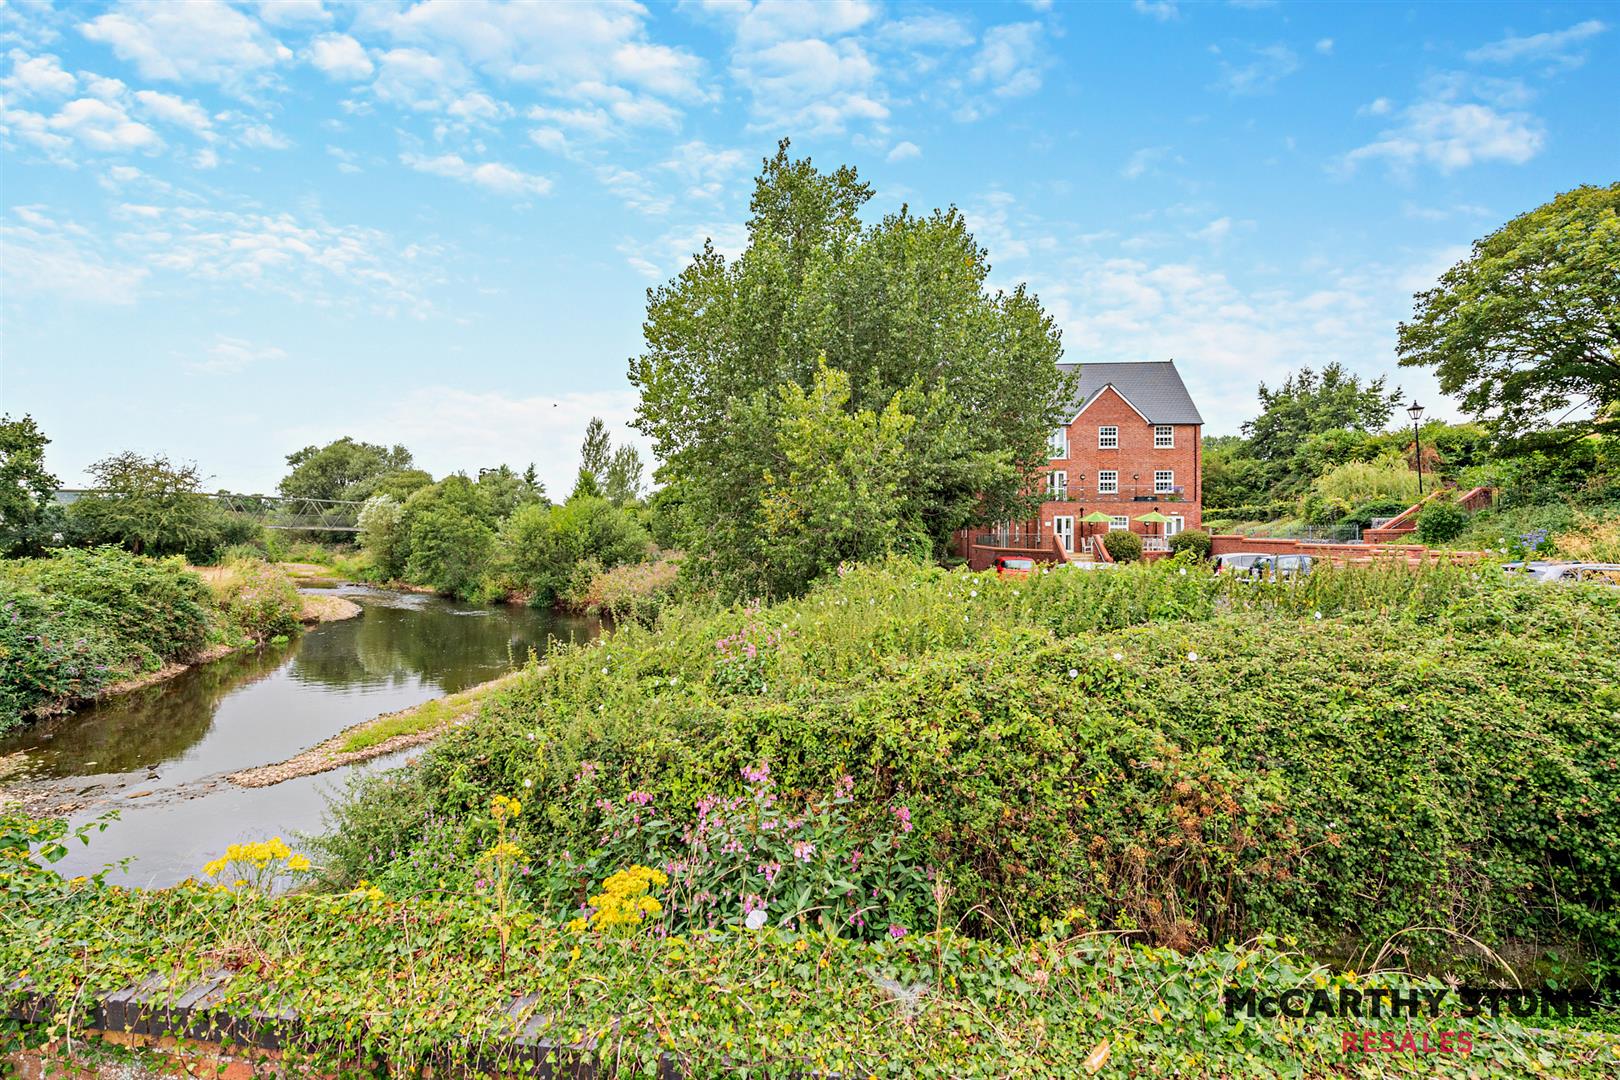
x=159, y=755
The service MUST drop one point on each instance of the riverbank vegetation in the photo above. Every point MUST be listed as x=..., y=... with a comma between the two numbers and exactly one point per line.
x=76, y=624
x=1166, y=755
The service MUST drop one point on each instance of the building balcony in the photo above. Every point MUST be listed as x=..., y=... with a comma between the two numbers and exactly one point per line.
x=1128, y=492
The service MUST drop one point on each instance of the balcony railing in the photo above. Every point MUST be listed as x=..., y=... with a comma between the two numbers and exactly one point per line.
x=1127, y=492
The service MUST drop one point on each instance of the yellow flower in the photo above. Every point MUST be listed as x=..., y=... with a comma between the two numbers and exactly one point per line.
x=298, y=863
x=504, y=808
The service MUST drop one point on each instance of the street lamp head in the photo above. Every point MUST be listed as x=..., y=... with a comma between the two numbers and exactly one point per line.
x=1415, y=411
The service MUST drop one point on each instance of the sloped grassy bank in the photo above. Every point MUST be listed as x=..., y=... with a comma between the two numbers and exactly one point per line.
x=382, y=987
x=1370, y=755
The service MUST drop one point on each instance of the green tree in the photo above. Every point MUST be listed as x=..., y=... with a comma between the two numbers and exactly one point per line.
x=507, y=490
x=432, y=523
x=1233, y=476
x=26, y=487
x=1307, y=405
x=149, y=505
x=595, y=453
x=343, y=470
x=833, y=486
x=380, y=535
x=543, y=547
x=1528, y=326
x=900, y=305
x=622, y=483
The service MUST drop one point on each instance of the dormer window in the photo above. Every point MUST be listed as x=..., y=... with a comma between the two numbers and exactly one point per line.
x=1108, y=438
x=1164, y=437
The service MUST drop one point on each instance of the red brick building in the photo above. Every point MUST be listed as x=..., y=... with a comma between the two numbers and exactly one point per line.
x=1132, y=447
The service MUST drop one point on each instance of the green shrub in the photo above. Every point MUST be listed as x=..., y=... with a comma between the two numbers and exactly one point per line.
x=543, y=548
x=154, y=607
x=1364, y=514
x=1123, y=545
x=49, y=656
x=450, y=552
x=259, y=600
x=1193, y=540
x=1441, y=521
x=1167, y=752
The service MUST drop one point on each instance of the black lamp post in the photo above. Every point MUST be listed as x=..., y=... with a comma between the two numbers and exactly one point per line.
x=1415, y=411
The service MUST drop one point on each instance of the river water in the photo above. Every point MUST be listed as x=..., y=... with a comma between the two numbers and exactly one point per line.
x=159, y=755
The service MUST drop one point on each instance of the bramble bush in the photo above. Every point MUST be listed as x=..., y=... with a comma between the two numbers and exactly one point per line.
x=1194, y=540
x=1157, y=749
x=259, y=600
x=1441, y=521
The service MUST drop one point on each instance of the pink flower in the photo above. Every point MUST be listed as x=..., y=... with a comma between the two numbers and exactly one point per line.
x=904, y=815
x=896, y=931
x=846, y=784
x=770, y=870
x=752, y=902
x=759, y=774
x=641, y=798
x=803, y=849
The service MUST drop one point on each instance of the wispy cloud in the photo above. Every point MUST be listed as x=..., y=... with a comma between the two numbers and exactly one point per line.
x=1267, y=66
x=1559, y=48
x=492, y=176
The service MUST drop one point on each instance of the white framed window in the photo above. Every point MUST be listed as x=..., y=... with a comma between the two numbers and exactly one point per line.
x=1164, y=481
x=1174, y=525
x=1063, y=529
x=1060, y=443
x=1164, y=437
x=1108, y=482
x=1108, y=438
x=1057, y=485
x=1119, y=523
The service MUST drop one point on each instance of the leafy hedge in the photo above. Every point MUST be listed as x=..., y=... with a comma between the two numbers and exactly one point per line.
x=396, y=988
x=1343, y=758
x=74, y=623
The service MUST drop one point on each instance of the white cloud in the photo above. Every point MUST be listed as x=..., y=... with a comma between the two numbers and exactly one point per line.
x=1269, y=66
x=1450, y=135
x=931, y=30
x=417, y=79
x=38, y=75
x=228, y=355
x=666, y=254
x=1147, y=160
x=1325, y=46
x=1215, y=231
x=905, y=150
x=105, y=126
x=44, y=257
x=175, y=110
x=201, y=40
x=293, y=12
x=1010, y=60
x=1162, y=10
x=339, y=56
x=303, y=257
x=490, y=175
x=261, y=137
x=1560, y=48
x=811, y=86
x=1377, y=107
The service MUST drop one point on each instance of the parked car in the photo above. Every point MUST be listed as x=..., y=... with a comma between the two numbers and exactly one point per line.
x=1013, y=566
x=1273, y=567
x=1239, y=562
x=1584, y=573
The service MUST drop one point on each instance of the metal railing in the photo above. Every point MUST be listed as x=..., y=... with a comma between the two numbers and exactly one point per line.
x=1126, y=492
x=271, y=511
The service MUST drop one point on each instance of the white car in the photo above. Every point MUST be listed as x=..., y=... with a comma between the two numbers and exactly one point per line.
x=1582, y=573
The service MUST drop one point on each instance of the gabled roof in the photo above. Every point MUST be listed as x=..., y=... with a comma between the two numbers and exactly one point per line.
x=1152, y=388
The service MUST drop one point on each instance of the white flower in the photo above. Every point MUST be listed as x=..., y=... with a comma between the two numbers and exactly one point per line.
x=1192, y=656
x=528, y=783
x=1317, y=616
x=1073, y=674
x=1119, y=656
x=756, y=919
x=604, y=671
x=973, y=593
x=674, y=680
x=1182, y=571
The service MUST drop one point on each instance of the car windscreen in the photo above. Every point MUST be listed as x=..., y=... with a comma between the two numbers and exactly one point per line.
x=1018, y=564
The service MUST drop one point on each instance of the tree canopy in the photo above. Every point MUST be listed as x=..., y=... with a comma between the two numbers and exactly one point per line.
x=899, y=307
x=26, y=486
x=1528, y=326
x=344, y=469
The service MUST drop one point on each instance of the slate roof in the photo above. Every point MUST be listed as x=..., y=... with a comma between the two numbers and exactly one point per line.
x=1154, y=387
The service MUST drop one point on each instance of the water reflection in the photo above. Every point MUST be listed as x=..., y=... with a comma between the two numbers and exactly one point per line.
x=260, y=707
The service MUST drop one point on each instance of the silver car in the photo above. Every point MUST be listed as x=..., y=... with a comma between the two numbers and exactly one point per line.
x=1580, y=573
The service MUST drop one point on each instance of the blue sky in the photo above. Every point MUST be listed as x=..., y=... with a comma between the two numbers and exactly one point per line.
x=230, y=230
